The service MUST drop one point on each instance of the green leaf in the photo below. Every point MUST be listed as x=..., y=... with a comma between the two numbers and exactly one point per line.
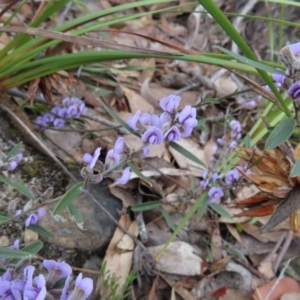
x=14, y=151
x=296, y=169
x=76, y=215
x=22, y=188
x=6, y=252
x=168, y=219
x=202, y=209
x=248, y=140
x=220, y=210
x=187, y=153
x=281, y=133
x=182, y=223
x=146, y=206
x=138, y=172
x=251, y=62
x=33, y=248
x=41, y=230
x=69, y=197
x=3, y=219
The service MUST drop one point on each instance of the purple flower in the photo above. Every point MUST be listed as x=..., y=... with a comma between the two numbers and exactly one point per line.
x=235, y=126
x=173, y=134
x=123, y=179
x=56, y=270
x=16, y=244
x=31, y=220
x=76, y=101
x=63, y=112
x=55, y=110
x=18, y=158
x=215, y=193
x=204, y=174
x=187, y=113
x=112, y=158
x=278, y=78
x=170, y=103
x=37, y=292
x=40, y=122
x=48, y=118
x=232, y=145
x=133, y=121
x=215, y=177
x=82, y=108
x=153, y=135
x=204, y=183
x=294, y=90
x=119, y=146
x=165, y=118
x=220, y=141
x=92, y=159
x=12, y=165
x=41, y=212
x=83, y=288
x=72, y=112
x=59, y=123
x=7, y=276
x=65, y=292
x=150, y=120
x=231, y=176
x=67, y=102
x=146, y=151
x=295, y=48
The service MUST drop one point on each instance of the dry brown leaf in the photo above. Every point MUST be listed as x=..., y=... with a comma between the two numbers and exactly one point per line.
x=234, y=232
x=124, y=195
x=126, y=243
x=225, y=86
x=233, y=212
x=266, y=267
x=216, y=244
x=137, y=102
x=179, y=258
x=186, y=163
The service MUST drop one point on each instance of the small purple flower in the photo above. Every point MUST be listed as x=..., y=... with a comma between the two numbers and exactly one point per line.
x=215, y=177
x=165, y=118
x=231, y=176
x=83, y=288
x=278, y=78
x=56, y=270
x=215, y=193
x=235, y=126
x=67, y=102
x=170, y=103
x=153, y=135
x=48, y=118
x=119, y=146
x=295, y=48
x=187, y=131
x=59, y=123
x=220, y=141
x=187, y=113
x=82, y=108
x=173, y=134
x=17, y=212
x=7, y=276
x=18, y=158
x=55, y=110
x=92, y=159
x=66, y=292
x=146, y=151
x=232, y=145
x=204, y=183
x=16, y=244
x=133, y=121
x=72, y=112
x=31, y=220
x=123, y=179
x=76, y=101
x=294, y=90
x=40, y=123
x=150, y=120
x=215, y=149
x=112, y=158
x=37, y=292
x=204, y=174
x=12, y=165
x=41, y=212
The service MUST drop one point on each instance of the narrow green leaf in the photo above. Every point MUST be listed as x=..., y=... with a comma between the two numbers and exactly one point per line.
x=251, y=62
x=69, y=197
x=138, y=172
x=41, y=230
x=296, y=169
x=13, y=152
x=146, y=206
x=248, y=140
x=33, y=248
x=202, y=208
x=6, y=252
x=168, y=219
x=22, y=188
x=220, y=210
x=182, y=223
x=4, y=219
x=74, y=212
x=187, y=153
x=281, y=133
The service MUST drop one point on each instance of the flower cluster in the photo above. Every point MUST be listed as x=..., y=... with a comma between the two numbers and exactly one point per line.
x=71, y=108
x=289, y=55
x=33, y=218
x=9, y=163
x=20, y=284
x=170, y=125
x=213, y=183
x=116, y=158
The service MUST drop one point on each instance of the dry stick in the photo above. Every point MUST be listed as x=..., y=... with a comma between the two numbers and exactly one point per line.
x=140, y=220
x=8, y=7
x=274, y=250
x=82, y=40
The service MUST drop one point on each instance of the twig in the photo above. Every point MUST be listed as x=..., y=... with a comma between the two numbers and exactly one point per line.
x=140, y=220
